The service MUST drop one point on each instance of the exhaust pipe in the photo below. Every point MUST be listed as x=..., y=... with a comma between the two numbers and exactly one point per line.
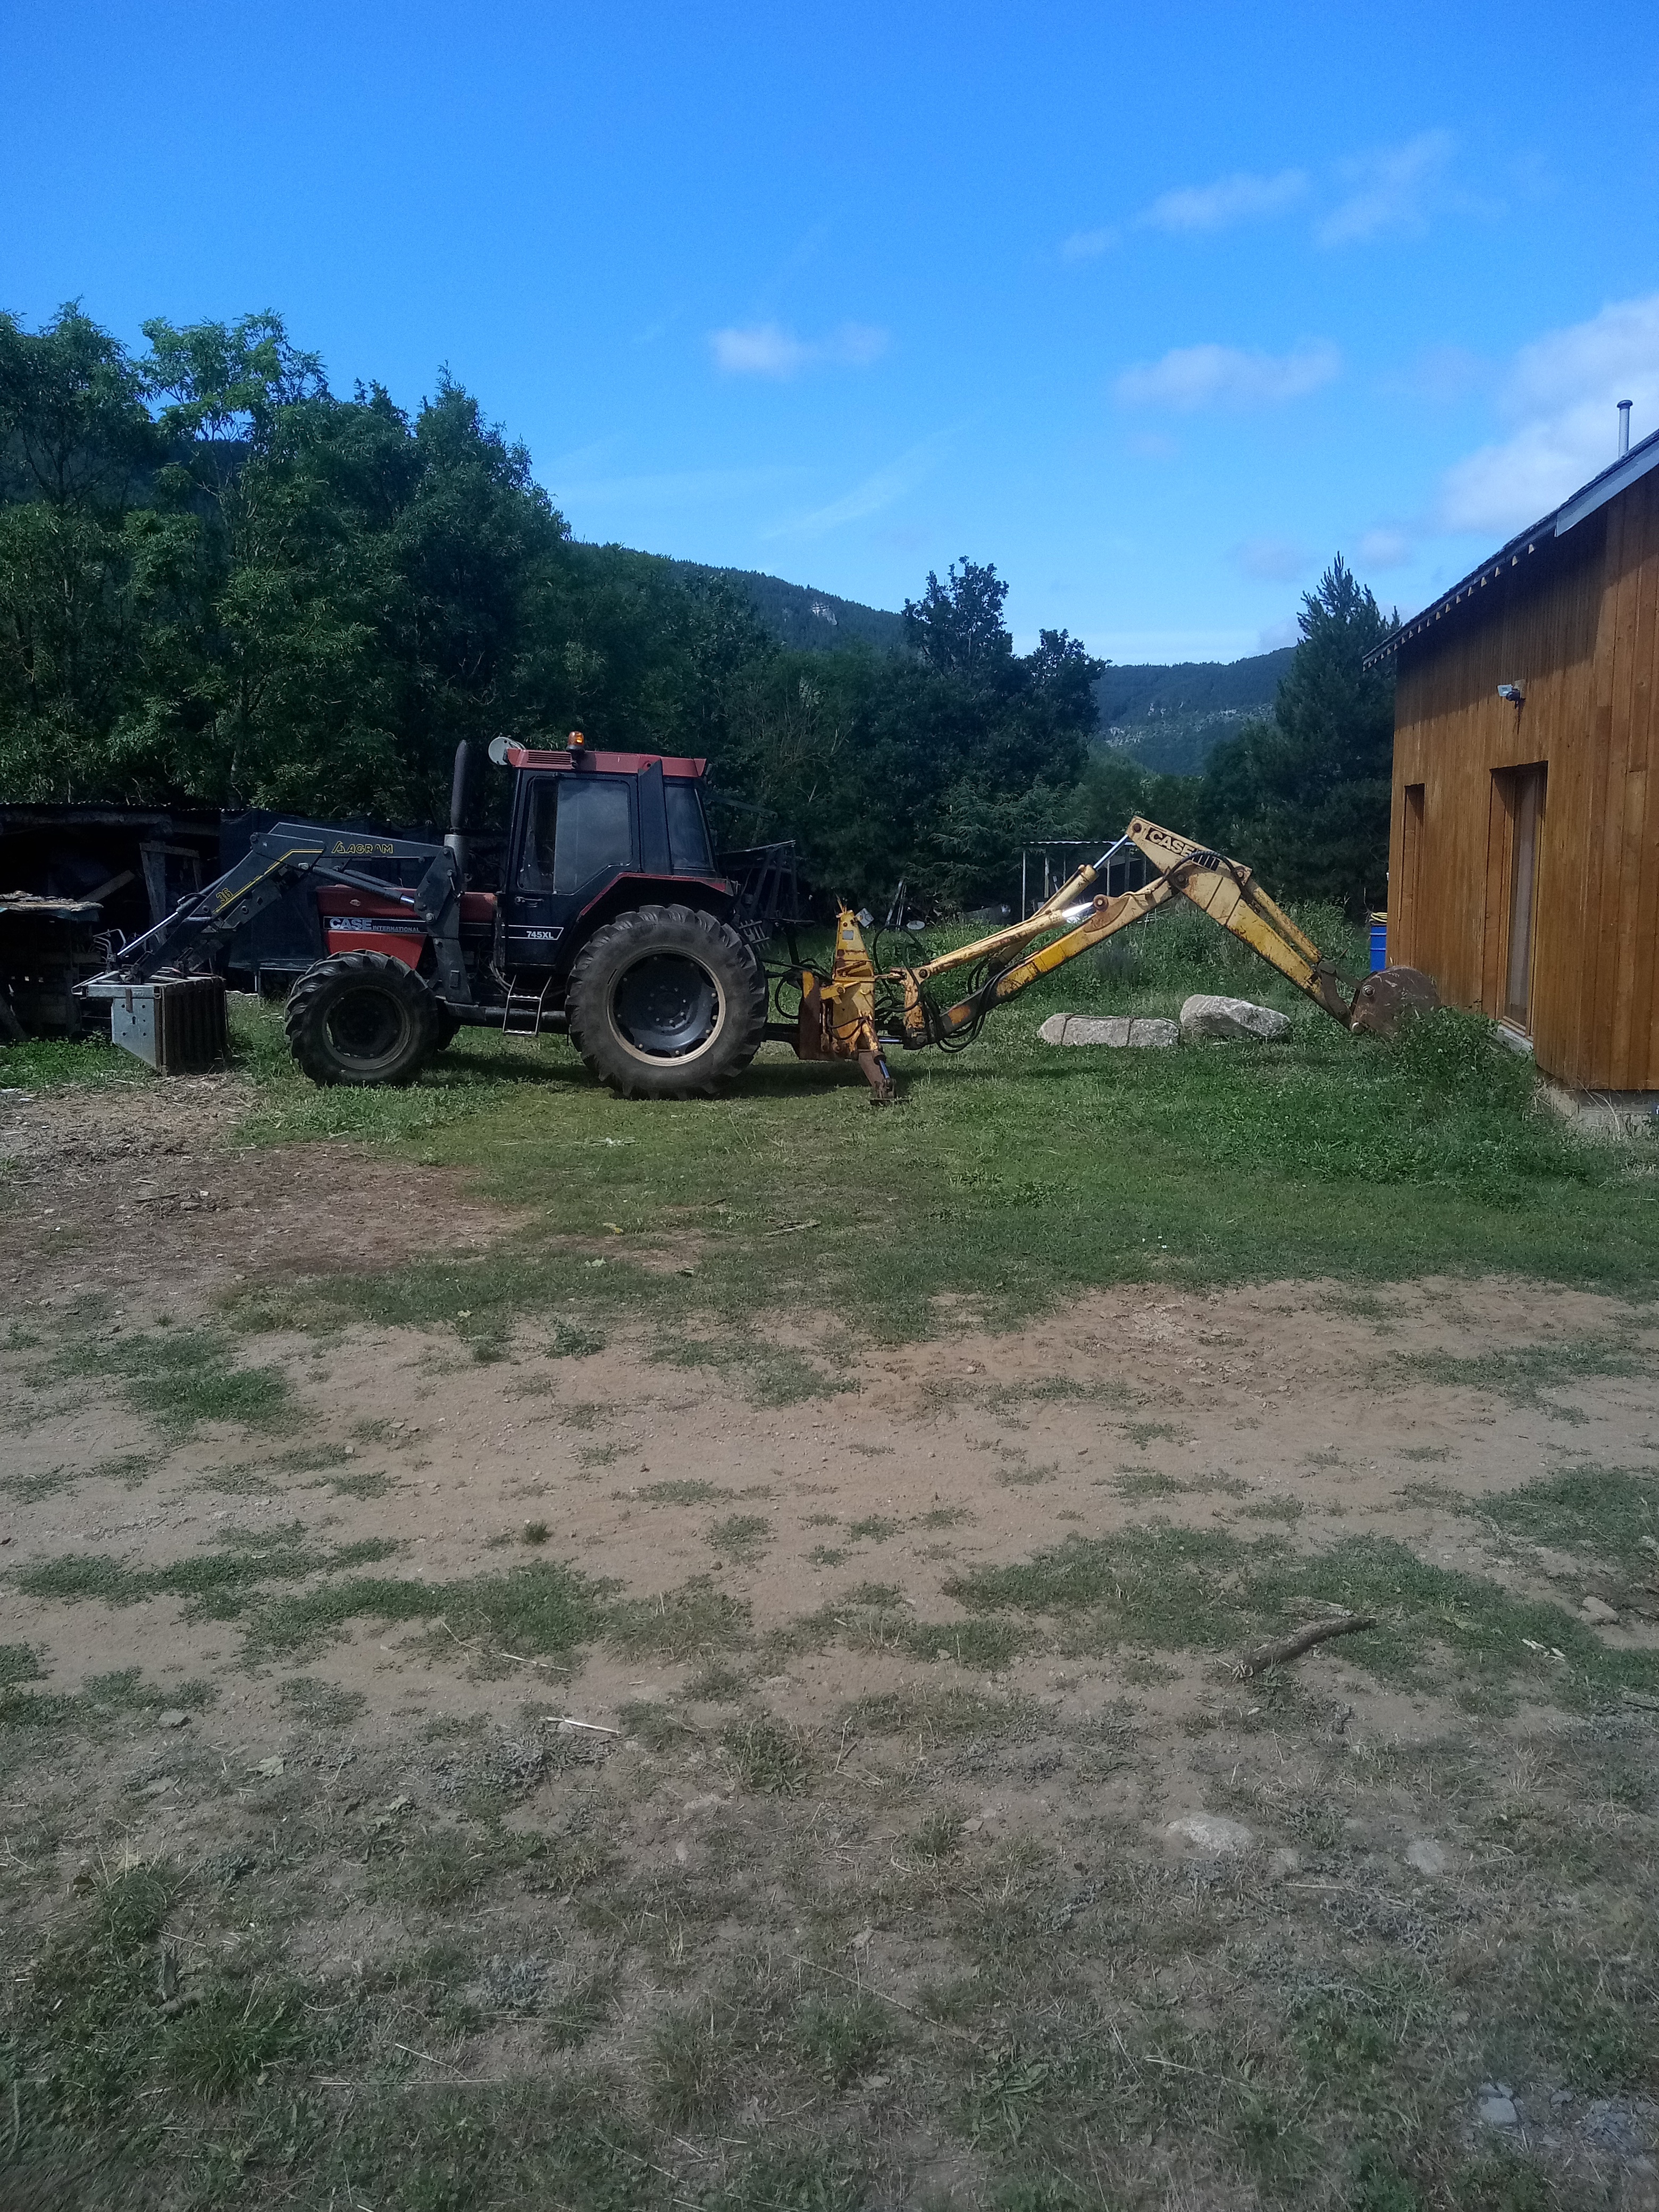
x=456, y=841
x=1624, y=428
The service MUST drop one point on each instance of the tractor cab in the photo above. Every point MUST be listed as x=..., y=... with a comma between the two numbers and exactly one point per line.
x=592, y=834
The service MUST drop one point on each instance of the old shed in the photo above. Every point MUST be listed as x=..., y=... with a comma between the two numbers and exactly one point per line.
x=1523, y=870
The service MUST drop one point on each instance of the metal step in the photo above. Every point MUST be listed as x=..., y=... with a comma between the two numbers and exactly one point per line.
x=526, y=1013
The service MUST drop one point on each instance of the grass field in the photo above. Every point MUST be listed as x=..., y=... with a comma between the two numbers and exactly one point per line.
x=1007, y=1177
x=692, y=1699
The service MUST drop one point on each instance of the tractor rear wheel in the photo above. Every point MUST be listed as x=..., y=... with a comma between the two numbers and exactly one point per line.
x=361, y=1017
x=665, y=1002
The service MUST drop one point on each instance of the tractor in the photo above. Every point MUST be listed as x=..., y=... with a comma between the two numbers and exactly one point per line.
x=612, y=922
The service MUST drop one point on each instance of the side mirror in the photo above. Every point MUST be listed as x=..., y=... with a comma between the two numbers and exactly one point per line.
x=498, y=750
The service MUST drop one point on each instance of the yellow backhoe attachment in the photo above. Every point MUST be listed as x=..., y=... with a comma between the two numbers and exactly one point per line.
x=856, y=1010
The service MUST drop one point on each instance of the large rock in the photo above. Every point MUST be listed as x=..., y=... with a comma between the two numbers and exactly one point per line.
x=1097, y=1029
x=1140, y=1030
x=1152, y=1029
x=1205, y=1017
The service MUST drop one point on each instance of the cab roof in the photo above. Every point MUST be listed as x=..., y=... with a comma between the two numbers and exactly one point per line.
x=594, y=762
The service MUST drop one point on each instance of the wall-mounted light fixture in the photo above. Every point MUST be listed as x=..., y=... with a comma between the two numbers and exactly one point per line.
x=1513, y=694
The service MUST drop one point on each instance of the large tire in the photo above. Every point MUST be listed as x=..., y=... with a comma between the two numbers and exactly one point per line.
x=666, y=1002
x=361, y=1018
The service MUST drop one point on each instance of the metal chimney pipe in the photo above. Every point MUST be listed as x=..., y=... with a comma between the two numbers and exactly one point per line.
x=1624, y=428
x=455, y=840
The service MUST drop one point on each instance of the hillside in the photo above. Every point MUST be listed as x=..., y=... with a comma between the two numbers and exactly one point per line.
x=802, y=617
x=1168, y=718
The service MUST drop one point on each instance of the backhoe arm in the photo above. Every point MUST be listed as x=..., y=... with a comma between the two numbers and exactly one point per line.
x=1228, y=892
x=1094, y=921
x=851, y=1012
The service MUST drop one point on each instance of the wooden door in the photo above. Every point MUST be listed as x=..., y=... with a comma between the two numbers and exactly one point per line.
x=1513, y=864
x=1407, y=936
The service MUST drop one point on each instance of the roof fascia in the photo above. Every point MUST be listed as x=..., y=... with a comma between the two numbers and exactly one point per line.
x=1630, y=471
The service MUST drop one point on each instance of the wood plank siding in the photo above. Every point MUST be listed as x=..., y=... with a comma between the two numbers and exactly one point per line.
x=1577, y=622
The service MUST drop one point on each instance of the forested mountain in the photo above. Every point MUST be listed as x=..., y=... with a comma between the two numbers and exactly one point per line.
x=1170, y=719
x=1166, y=718
x=808, y=620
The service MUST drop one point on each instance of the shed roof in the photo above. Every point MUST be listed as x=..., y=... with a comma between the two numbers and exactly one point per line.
x=1623, y=472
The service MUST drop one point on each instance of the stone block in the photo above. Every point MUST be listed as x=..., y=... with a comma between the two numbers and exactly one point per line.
x=1114, y=1031
x=1205, y=1016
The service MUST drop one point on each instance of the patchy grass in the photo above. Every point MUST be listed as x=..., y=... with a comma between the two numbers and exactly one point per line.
x=1204, y=1163
x=180, y=1377
x=873, y=1528
x=1610, y=1514
x=1175, y=1590
x=845, y=1977
x=683, y=1491
x=1526, y=1375
x=741, y=1538
x=218, y=1585
x=320, y=1704
x=767, y=1756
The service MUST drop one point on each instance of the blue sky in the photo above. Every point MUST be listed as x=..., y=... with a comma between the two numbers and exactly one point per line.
x=1155, y=308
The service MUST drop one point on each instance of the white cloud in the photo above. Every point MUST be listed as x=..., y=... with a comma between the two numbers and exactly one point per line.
x=1390, y=190
x=1278, y=634
x=1230, y=200
x=1271, y=560
x=881, y=489
x=1384, y=549
x=1560, y=396
x=768, y=350
x=1088, y=245
x=1191, y=377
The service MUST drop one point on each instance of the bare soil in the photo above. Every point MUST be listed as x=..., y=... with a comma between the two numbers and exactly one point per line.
x=1295, y=1410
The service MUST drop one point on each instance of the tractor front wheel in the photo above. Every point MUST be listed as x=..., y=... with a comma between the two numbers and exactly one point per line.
x=666, y=1002
x=361, y=1017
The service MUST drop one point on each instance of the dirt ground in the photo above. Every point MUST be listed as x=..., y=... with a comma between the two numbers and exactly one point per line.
x=1303, y=1411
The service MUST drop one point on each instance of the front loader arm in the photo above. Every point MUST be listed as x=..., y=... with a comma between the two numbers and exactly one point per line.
x=200, y=927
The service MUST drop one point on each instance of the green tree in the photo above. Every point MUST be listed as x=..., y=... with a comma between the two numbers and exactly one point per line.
x=221, y=580
x=1304, y=795
x=77, y=446
x=958, y=627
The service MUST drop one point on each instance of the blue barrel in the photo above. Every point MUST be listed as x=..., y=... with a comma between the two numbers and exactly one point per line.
x=1379, y=942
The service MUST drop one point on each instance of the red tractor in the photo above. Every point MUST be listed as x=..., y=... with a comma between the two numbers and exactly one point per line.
x=613, y=922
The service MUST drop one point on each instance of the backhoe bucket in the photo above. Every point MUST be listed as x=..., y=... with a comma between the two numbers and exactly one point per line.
x=1385, y=1001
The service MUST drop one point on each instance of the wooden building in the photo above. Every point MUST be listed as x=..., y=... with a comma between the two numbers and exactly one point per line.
x=1523, y=865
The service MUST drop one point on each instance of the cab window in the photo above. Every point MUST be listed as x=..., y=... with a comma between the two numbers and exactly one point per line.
x=536, y=861
x=688, y=833
x=594, y=836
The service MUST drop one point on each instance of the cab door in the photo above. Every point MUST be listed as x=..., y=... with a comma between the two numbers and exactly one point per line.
x=574, y=837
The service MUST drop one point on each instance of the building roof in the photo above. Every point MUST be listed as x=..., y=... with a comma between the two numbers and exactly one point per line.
x=1597, y=492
